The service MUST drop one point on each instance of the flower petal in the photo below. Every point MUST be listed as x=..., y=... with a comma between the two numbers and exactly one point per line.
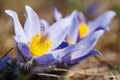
x=84, y=56
x=44, y=25
x=63, y=45
x=58, y=31
x=45, y=59
x=81, y=17
x=17, y=26
x=57, y=55
x=84, y=46
x=73, y=32
x=102, y=21
x=3, y=61
x=88, y=43
x=24, y=50
x=32, y=24
x=57, y=14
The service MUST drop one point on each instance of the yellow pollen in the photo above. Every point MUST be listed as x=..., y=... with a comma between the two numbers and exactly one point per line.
x=70, y=42
x=83, y=30
x=39, y=45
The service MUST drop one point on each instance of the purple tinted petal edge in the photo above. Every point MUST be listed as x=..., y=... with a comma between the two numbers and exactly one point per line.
x=45, y=59
x=3, y=61
x=92, y=52
x=24, y=50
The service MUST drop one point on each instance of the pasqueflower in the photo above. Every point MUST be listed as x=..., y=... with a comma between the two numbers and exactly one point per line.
x=36, y=41
x=80, y=33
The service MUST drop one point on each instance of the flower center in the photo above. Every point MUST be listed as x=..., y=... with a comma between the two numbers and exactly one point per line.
x=83, y=30
x=39, y=45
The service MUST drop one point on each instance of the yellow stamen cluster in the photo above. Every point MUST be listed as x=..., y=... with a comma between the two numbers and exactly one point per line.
x=39, y=45
x=83, y=30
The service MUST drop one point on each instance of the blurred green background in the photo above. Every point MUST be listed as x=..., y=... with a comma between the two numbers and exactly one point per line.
x=109, y=44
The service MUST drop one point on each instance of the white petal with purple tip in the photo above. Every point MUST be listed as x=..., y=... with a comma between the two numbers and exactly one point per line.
x=58, y=31
x=91, y=52
x=57, y=14
x=88, y=43
x=73, y=32
x=32, y=24
x=102, y=21
x=17, y=26
x=81, y=17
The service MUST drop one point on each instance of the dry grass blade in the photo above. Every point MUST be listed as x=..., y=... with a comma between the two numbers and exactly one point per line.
x=51, y=75
x=7, y=52
x=59, y=69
